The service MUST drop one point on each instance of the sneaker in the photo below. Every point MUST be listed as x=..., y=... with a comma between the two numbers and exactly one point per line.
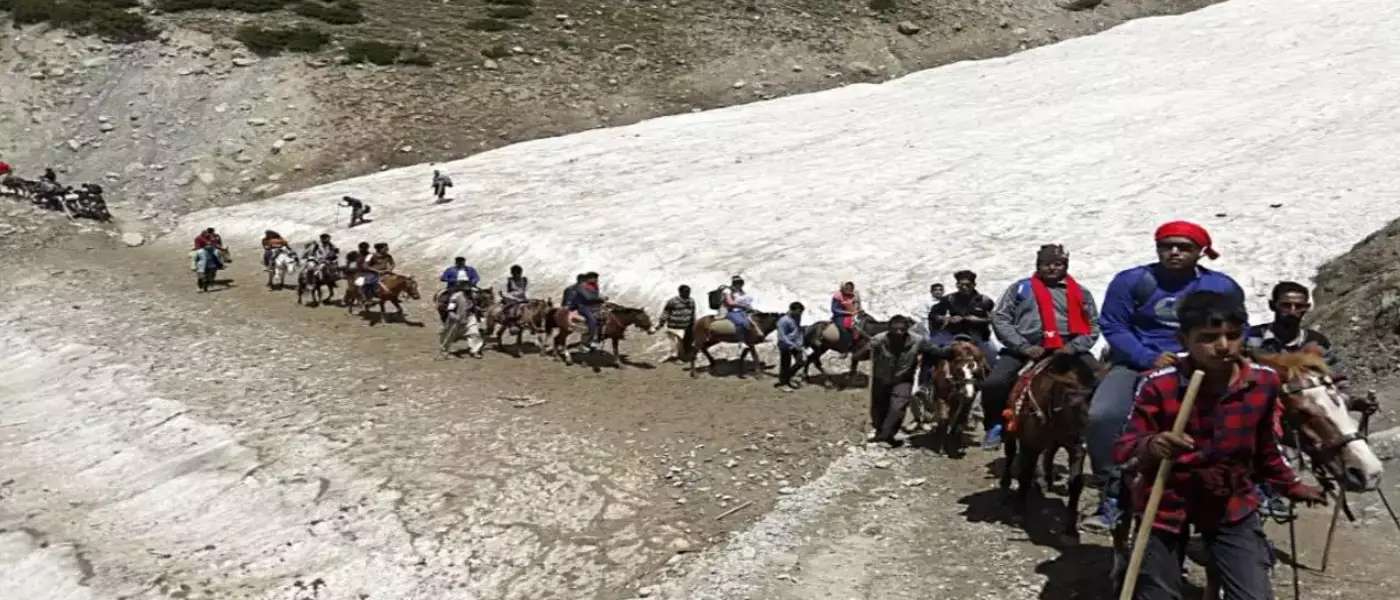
x=1105, y=517
x=993, y=439
x=1271, y=504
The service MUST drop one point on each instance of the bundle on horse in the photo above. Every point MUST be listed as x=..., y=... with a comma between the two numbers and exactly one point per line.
x=711, y=330
x=823, y=337
x=533, y=314
x=284, y=262
x=1315, y=420
x=1048, y=410
x=20, y=187
x=315, y=274
x=461, y=310
x=390, y=286
x=613, y=321
x=945, y=407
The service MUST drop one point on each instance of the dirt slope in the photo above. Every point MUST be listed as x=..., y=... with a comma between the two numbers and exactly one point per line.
x=1358, y=302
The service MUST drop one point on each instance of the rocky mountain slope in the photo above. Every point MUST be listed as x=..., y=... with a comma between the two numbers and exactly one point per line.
x=1358, y=302
x=194, y=117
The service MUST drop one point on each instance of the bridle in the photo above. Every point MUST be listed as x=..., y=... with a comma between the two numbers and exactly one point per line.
x=1323, y=451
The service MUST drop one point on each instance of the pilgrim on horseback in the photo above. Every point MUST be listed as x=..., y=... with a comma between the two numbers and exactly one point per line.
x=567, y=298
x=1227, y=441
x=209, y=238
x=459, y=276
x=894, y=359
x=965, y=313
x=321, y=250
x=678, y=317
x=515, y=292
x=717, y=296
x=586, y=300
x=373, y=267
x=271, y=243
x=1043, y=315
x=737, y=305
x=845, y=309
x=924, y=326
x=1138, y=319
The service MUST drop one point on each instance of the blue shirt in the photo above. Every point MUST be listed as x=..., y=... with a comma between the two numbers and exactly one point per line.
x=789, y=333
x=450, y=275
x=1139, y=315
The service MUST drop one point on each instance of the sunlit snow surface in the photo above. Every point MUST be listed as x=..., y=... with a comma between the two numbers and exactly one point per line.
x=1214, y=116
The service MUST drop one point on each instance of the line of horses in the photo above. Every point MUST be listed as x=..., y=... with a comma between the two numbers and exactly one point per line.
x=1047, y=412
x=85, y=201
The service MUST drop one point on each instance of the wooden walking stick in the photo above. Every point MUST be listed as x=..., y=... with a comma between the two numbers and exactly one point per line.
x=1149, y=512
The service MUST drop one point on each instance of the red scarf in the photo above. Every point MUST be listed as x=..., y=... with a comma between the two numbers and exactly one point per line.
x=1078, y=318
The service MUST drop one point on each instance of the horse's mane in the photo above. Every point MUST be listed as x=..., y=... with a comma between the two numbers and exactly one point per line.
x=965, y=349
x=766, y=315
x=626, y=310
x=1292, y=365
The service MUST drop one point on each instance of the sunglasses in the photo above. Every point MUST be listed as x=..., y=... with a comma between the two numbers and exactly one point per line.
x=1182, y=246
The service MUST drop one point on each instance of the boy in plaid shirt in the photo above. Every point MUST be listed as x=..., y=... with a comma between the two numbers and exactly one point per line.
x=1229, y=440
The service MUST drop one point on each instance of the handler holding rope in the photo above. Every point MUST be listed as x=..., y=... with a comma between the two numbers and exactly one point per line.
x=1212, y=453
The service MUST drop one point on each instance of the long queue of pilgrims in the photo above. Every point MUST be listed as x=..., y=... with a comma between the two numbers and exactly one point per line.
x=1162, y=321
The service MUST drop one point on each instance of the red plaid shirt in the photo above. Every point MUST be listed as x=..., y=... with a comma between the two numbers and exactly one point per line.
x=1234, y=436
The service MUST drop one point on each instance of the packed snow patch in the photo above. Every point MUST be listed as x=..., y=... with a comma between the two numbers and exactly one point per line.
x=1270, y=122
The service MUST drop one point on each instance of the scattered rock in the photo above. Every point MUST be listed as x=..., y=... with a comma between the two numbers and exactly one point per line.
x=133, y=239
x=243, y=61
x=908, y=28
x=257, y=122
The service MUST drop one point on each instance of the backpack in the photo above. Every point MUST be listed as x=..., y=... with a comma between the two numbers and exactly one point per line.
x=715, y=298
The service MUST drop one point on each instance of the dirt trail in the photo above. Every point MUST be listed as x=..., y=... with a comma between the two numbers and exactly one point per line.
x=608, y=489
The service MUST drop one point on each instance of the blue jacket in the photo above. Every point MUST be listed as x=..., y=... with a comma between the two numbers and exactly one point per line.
x=450, y=275
x=1139, y=311
x=789, y=333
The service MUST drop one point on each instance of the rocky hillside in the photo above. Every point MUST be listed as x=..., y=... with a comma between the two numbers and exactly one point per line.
x=220, y=106
x=1358, y=302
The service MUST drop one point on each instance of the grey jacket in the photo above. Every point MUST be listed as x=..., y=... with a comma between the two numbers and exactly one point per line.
x=1016, y=320
x=897, y=365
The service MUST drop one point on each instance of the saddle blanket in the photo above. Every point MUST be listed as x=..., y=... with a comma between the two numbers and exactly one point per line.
x=1020, y=392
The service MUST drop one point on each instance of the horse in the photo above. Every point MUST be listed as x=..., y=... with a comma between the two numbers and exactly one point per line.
x=388, y=290
x=461, y=312
x=613, y=321
x=284, y=263
x=19, y=187
x=945, y=407
x=314, y=274
x=207, y=263
x=1048, y=409
x=822, y=337
x=1316, y=421
x=711, y=330
x=533, y=314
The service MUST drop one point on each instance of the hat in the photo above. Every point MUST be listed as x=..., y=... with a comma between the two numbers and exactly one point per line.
x=1049, y=253
x=1190, y=231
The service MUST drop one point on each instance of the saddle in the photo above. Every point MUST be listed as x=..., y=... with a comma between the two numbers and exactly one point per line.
x=831, y=334
x=1020, y=392
x=576, y=319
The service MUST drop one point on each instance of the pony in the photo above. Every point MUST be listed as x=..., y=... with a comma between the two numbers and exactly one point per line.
x=313, y=275
x=946, y=406
x=1048, y=409
x=613, y=321
x=711, y=330
x=207, y=263
x=461, y=313
x=823, y=337
x=533, y=314
x=284, y=262
x=391, y=285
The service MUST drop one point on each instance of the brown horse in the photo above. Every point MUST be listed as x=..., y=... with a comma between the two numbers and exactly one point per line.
x=391, y=285
x=533, y=314
x=1048, y=410
x=613, y=321
x=823, y=337
x=954, y=386
x=711, y=330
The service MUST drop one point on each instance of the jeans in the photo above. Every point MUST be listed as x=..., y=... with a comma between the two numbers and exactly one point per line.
x=1238, y=552
x=370, y=287
x=592, y=320
x=844, y=341
x=1108, y=412
x=741, y=323
x=996, y=390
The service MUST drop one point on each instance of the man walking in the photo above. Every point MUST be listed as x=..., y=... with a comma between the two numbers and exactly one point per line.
x=678, y=316
x=790, y=346
x=894, y=357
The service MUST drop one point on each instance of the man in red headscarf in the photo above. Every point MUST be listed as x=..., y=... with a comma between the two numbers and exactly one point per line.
x=1140, y=324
